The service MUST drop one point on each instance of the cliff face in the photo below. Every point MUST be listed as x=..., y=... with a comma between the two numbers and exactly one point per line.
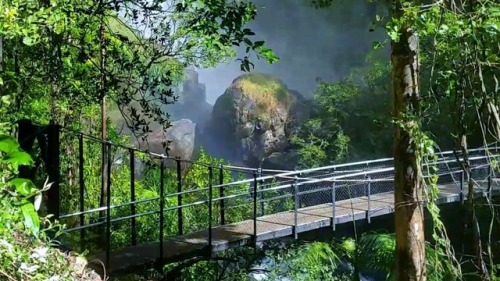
x=192, y=102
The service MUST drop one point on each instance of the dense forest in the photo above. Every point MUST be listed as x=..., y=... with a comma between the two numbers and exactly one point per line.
x=215, y=88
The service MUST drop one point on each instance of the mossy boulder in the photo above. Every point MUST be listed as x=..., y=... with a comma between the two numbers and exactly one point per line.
x=255, y=117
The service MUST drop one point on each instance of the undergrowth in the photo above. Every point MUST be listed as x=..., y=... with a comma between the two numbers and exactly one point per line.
x=26, y=250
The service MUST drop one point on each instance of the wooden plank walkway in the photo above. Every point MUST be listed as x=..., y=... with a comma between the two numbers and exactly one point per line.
x=268, y=227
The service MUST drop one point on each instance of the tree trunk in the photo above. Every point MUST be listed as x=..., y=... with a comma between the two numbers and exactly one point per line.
x=409, y=211
x=104, y=131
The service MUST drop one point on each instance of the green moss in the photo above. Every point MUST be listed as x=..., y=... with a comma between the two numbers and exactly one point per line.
x=268, y=92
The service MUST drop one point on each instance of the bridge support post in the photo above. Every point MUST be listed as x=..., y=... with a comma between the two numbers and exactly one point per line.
x=221, y=195
x=81, y=182
x=334, y=221
x=26, y=135
x=108, y=205
x=490, y=171
x=369, y=191
x=53, y=169
x=462, y=197
x=210, y=194
x=262, y=211
x=255, y=185
x=162, y=215
x=295, y=209
x=132, y=198
x=179, y=197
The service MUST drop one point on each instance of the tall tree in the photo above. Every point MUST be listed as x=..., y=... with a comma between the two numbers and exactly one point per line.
x=408, y=137
x=408, y=195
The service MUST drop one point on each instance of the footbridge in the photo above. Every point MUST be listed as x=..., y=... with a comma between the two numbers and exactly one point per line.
x=172, y=209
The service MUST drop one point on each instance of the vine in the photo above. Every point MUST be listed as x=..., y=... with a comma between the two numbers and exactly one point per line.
x=428, y=173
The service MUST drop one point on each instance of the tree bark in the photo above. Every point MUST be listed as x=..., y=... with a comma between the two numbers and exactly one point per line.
x=104, y=130
x=409, y=211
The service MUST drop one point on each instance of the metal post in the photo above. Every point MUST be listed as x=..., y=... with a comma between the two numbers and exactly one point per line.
x=334, y=221
x=221, y=195
x=462, y=196
x=162, y=208
x=490, y=171
x=53, y=169
x=295, y=209
x=132, y=198
x=255, y=186
x=369, y=191
x=210, y=191
x=82, y=191
x=27, y=133
x=179, y=197
x=262, y=211
x=108, y=205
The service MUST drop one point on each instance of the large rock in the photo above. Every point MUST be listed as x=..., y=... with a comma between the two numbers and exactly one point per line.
x=181, y=143
x=254, y=118
x=181, y=136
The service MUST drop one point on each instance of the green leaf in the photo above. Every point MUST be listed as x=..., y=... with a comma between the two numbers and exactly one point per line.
x=5, y=99
x=377, y=45
x=258, y=44
x=31, y=218
x=29, y=41
x=24, y=187
x=18, y=158
x=8, y=144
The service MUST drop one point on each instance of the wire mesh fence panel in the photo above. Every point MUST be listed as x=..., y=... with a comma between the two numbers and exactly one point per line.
x=238, y=199
x=480, y=169
x=275, y=196
x=314, y=188
x=381, y=182
x=194, y=195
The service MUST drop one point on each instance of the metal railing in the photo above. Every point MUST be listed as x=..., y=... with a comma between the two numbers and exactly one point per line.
x=183, y=194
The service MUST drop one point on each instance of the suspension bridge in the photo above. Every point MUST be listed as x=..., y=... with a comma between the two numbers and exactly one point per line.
x=148, y=220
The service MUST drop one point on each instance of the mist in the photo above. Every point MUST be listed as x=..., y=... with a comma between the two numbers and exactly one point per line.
x=311, y=43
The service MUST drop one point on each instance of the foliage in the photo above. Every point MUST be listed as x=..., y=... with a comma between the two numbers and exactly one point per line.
x=460, y=44
x=350, y=118
x=63, y=55
x=137, y=53
x=374, y=252
x=25, y=247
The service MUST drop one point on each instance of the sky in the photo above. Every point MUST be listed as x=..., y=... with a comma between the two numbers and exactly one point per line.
x=312, y=44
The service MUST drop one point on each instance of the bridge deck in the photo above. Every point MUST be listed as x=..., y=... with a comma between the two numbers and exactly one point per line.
x=268, y=227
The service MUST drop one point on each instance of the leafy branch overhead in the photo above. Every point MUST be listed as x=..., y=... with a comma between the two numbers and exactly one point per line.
x=148, y=46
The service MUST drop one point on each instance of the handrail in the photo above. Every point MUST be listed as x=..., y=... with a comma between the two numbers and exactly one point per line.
x=339, y=178
x=332, y=167
x=228, y=197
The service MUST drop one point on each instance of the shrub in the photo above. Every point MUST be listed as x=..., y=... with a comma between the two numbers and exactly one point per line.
x=25, y=246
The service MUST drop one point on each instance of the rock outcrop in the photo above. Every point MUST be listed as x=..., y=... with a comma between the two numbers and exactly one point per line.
x=192, y=102
x=181, y=137
x=255, y=118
